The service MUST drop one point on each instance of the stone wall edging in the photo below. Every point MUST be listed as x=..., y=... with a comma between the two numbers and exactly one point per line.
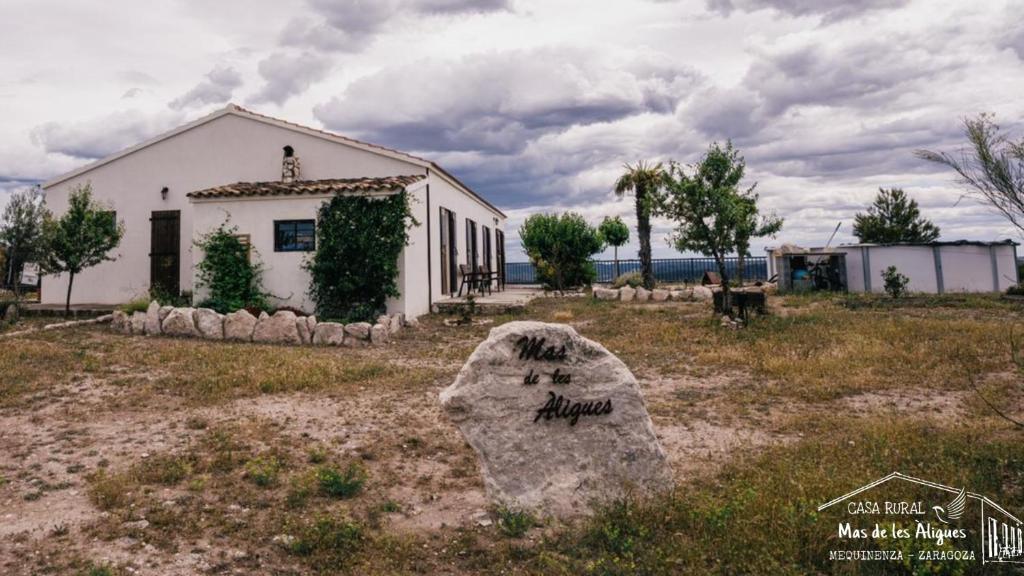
x=283, y=327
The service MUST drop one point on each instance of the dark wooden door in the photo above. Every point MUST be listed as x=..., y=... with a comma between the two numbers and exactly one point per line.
x=165, y=251
x=449, y=255
x=499, y=241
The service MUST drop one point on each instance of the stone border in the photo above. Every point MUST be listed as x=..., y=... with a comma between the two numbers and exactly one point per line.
x=284, y=327
x=69, y=324
x=641, y=294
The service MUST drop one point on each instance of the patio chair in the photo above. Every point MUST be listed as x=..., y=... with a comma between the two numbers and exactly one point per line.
x=485, y=278
x=469, y=278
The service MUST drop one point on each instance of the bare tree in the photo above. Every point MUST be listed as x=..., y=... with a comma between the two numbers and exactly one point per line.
x=992, y=167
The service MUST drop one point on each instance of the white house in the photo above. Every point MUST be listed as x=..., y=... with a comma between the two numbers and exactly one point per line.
x=933, y=267
x=237, y=164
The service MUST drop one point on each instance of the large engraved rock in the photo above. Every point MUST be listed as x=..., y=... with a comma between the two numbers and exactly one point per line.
x=210, y=324
x=239, y=326
x=278, y=329
x=606, y=294
x=153, y=319
x=180, y=322
x=557, y=421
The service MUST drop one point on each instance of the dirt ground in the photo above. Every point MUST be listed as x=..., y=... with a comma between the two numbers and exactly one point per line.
x=53, y=440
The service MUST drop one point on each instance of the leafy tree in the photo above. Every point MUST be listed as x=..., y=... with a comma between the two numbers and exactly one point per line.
x=615, y=233
x=752, y=225
x=560, y=248
x=708, y=208
x=81, y=238
x=992, y=168
x=893, y=217
x=355, y=267
x=21, y=234
x=232, y=280
x=645, y=181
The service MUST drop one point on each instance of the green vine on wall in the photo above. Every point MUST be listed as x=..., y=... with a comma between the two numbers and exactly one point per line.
x=355, y=267
x=232, y=281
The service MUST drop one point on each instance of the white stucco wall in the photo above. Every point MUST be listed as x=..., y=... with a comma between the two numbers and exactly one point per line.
x=228, y=149
x=965, y=268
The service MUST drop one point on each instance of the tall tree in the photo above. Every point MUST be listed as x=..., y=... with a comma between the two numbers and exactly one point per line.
x=615, y=232
x=992, y=168
x=752, y=225
x=708, y=207
x=21, y=231
x=81, y=238
x=560, y=248
x=645, y=181
x=893, y=217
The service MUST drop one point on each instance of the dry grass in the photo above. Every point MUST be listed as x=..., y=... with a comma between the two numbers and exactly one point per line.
x=251, y=495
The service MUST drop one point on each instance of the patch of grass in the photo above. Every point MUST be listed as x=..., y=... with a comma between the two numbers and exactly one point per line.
x=136, y=305
x=165, y=469
x=515, y=523
x=390, y=506
x=109, y=491
x=263, y=470
x=341, y=484
x=759, y=516
x=317, y=454
x=327, y=543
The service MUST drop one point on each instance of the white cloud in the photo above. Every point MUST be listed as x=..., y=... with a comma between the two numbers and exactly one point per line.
x=217, y=88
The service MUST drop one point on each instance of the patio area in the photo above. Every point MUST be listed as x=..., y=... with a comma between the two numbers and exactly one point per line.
x=510, y=299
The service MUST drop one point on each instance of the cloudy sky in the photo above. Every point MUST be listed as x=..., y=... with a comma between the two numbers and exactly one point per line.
x=536, y=104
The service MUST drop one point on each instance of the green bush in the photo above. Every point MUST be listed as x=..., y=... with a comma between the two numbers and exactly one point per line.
x=515, y=523
x=631, y=279
x=1016, y=290
x=895, y=283
x=560, y=248
x=341, y=484
x=233, y=282
x=355, y=267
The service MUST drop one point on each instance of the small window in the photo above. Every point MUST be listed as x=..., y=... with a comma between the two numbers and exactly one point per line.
x=294, y=235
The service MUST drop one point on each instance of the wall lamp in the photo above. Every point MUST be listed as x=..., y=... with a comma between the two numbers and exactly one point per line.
x=163, y=193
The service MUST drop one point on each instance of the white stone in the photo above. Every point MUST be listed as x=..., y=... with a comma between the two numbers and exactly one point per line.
x=659, y=295
x=164, y=311
x=606, y=294
x=385, y=321
x=210, y=324
x=626, y=293
x=277, y=329
x=303, y=327
x=329, y=334
x=397, y=322
x=153, y=319
x=532, y=458
x=643, y=294
x=378, y=334
x=139, y=323
x=121, y=322
x=239, y=326
x=702, y=293
x=311, y=323
x=180, y=322
x=263, y=315
x=357, y=333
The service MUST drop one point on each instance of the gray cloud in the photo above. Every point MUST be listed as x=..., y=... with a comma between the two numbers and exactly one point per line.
x=829, y=10
x=350, y=26
x=102, y=136
x=217, y=88
x=498, y=103
x=286, y=75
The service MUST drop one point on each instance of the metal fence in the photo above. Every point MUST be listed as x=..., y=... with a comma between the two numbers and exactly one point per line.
x=665, y=269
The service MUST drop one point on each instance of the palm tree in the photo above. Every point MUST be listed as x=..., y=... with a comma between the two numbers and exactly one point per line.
x=645, y=181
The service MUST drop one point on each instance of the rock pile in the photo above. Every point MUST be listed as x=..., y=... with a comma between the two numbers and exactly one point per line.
x=627, y=294
x=284, y=327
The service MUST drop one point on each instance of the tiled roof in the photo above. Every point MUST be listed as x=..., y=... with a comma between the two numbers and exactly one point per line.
x=308, y=187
